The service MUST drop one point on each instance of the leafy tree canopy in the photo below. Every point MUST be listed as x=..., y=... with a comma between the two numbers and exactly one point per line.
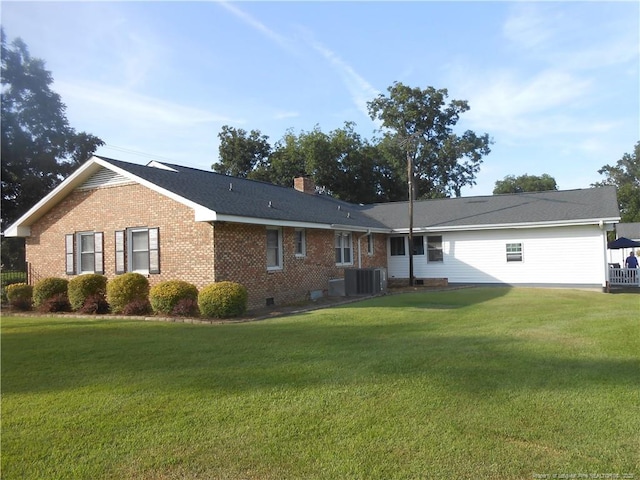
x=241, y=152
x=422, y=124
x=39, y=148
x=625, y=176
x=525, y=183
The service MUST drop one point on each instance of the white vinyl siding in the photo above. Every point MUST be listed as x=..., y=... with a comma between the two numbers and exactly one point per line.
x=554, y=255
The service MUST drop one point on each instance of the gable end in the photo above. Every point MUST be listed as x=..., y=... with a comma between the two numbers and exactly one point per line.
x=104, y=178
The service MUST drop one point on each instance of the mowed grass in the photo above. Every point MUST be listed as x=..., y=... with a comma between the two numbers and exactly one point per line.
x=473, y=383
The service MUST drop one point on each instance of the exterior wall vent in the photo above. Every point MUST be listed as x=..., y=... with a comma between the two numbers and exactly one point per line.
x=104, y=178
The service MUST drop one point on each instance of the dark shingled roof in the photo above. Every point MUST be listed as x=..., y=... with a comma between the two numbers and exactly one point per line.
x=629, y=230
x=250, y=198
x=539, y=207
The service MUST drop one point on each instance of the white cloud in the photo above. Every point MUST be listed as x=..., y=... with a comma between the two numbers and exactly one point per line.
x=360, y=89
x=257, y=25
x=284, y=115
x=130, y=107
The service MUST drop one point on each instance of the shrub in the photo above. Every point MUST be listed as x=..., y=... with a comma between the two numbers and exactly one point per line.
x=138, y=306
x=127, y=288
x=223, y=299
x=166, y=295
x=58, y=303
x=80, y=288
x=95, y=303
x=186, y=307
x=19, y=295
x=48, y=288
x=9, y=278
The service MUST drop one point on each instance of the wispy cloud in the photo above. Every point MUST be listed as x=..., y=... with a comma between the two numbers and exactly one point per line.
x=551, y=97
x=285, y=115
x=134, y=108
x=254, y=23
x=360, y=90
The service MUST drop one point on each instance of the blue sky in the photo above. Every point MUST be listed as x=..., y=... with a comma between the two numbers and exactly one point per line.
x=556, y=85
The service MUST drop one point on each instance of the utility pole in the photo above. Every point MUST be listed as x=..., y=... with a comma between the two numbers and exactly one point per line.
x=410, y=184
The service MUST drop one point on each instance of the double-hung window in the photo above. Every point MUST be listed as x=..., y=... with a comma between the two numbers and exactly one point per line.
x=274, y=248
x=514, y=252
x=343, y=248
x=137, y=250
x=370, y=247
x=300, y=238
x=84, y=253
x=434, y=248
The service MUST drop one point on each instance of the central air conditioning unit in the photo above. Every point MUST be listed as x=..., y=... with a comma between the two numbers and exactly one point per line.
x=365, y=281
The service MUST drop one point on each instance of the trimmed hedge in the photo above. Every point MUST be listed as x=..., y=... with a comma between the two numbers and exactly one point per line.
x=126, y=289
x=48, y=288
x=222, y=300
x=82, y=287
x=19, y=295
x=165, y=296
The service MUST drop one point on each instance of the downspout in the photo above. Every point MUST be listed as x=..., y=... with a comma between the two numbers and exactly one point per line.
x=359, y=249
x=603, y=228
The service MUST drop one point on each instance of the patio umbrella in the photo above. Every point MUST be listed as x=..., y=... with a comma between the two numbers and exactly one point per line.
x=622, y=242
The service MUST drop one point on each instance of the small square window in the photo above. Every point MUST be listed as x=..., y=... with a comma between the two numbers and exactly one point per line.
x=514, y=252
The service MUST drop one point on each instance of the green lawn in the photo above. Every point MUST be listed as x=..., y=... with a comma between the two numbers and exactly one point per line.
x=479, y=383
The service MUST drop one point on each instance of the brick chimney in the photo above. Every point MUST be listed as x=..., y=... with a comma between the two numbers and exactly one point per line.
x=304, y=184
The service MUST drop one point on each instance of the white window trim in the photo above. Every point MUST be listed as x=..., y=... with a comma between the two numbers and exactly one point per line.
x=343, y=236
x=279, y=266
x=371, y=249
x=79, y=252
x=73, y=253
x=152, y=250
x=514, y=254
x=429, y=250
x=303, y=232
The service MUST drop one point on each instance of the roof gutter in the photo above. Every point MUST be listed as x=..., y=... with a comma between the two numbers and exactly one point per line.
x=500, y=226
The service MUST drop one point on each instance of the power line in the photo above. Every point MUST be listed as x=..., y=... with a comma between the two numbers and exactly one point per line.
x=136, y=152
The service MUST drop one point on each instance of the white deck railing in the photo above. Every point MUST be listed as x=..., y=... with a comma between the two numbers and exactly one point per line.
x=624, y=276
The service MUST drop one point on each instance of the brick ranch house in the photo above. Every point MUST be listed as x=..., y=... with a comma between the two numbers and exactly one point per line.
x=286, y=244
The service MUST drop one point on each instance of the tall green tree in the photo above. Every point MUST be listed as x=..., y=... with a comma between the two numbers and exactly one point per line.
x=525, y=183
x=241, y=152
x=422, y=123
x=39, y=148
x=625, y=176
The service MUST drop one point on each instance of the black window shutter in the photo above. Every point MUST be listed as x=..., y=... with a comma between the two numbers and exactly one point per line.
x=69, y=253
x=121, y=266
x=98, y=249
x=154, y=250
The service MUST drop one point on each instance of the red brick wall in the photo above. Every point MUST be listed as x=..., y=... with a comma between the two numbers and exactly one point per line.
x=187, y=247
x=241, y=256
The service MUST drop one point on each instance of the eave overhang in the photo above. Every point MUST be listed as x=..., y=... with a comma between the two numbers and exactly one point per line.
x=601, y=222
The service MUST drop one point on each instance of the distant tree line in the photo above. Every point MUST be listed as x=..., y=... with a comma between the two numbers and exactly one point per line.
x=417, y=130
